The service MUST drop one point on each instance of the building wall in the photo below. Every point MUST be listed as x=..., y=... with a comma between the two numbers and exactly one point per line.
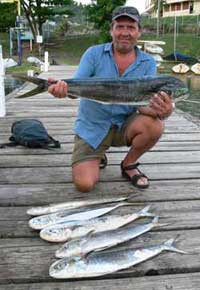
x=178, y=7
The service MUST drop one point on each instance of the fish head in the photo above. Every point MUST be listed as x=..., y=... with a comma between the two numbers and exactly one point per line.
x=69, y=249
x=59, y=268
x=64, y=268
x=171, y=85
x=39, y=222
x=57, y=233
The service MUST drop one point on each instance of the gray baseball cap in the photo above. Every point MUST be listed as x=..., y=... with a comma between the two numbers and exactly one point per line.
x=128, y=11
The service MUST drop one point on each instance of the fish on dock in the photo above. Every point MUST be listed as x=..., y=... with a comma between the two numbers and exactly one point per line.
x=40, y=222
x=103, y=240
x=132, y=91
x=65, y=231
x=102, y=263
x=54, y=207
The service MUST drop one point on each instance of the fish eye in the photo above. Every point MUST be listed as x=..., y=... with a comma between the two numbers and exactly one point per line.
x=62, y=264
x=53, y=231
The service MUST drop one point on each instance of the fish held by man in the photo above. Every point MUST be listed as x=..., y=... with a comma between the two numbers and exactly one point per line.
x=132, y=91
x=102, y=263
x=103, y=240
x=65, y=231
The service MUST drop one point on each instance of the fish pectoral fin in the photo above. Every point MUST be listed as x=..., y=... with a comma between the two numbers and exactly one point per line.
x=87, y=237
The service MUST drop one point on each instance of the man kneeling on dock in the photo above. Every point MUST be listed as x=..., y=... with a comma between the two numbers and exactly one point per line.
x=99, y=126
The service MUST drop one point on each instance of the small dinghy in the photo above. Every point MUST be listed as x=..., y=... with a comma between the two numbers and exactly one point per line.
x=180, y=68
x=153, y=49
x=196, y=68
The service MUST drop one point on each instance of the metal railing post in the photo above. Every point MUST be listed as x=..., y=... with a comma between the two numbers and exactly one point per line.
x=2, y=88
x=46, y=61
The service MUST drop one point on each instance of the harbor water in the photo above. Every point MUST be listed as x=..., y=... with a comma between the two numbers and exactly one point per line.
x=11, y=84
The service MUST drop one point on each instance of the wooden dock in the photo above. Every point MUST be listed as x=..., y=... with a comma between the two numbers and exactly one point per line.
x=37, y=177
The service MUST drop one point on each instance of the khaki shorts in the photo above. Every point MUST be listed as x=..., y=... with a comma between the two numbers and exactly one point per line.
x=115, y=137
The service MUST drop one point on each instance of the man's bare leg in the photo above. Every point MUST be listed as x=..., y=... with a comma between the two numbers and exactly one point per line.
x=143, y=133
x=86, y=174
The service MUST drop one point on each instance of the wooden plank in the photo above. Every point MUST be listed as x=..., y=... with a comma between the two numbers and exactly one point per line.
x=66, y=148
x=174, y=119
x=31, y=263
x=63, y=174
x=64, y=136
x=55, y=159
x=184, y=281
x=42, y=194
x=69, y=123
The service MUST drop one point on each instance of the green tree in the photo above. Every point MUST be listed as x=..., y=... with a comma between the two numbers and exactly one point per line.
x=100, y=13
x=8, y=15
x=38, y=11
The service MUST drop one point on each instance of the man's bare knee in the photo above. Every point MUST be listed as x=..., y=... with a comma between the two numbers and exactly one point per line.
x=85, y=175
x=84, y=185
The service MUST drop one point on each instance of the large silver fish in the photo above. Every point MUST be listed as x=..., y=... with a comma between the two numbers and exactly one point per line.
x=54, y=207
x=103, y=240
x=63, y=232
x=43, y=221
x=134, y=91
x=102, y=263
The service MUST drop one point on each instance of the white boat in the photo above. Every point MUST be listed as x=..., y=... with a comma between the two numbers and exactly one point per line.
x=158, y=59
x=180, y=68
x=196, y=68
x=153, y=49
x=9, y=62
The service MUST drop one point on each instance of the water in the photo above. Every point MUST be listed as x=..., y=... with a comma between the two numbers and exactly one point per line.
x=11, y=84
x=192, y=104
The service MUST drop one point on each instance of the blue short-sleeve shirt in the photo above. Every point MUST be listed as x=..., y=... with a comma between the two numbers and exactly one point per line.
x=95, y=119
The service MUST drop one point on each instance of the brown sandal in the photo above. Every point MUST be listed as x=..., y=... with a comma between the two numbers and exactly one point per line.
x=103, y=162
x=134, y=179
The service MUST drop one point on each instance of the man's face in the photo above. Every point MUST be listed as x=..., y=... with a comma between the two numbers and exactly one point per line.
x=125, y=33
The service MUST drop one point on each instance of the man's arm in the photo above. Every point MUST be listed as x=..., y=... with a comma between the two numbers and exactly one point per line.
x=85, y=69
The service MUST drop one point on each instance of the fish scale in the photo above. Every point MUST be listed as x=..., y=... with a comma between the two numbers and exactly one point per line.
x=103, y=240
x=40, y=222
x=132, y=91
x=64, y=231
x=102, y=263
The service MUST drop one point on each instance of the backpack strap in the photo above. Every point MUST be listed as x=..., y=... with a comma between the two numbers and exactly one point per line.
x=9, y=144
x=54, y=143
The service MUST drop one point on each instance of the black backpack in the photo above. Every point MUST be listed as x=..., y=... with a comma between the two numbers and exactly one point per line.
x=31, y=133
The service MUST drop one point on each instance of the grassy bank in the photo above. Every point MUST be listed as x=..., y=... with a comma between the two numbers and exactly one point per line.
x=69, y=50
x=185, y=43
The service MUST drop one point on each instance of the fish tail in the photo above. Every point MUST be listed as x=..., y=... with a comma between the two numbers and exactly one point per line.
x=156, y=222
x=145, y=212
x=169, y=246
x=127, y=203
